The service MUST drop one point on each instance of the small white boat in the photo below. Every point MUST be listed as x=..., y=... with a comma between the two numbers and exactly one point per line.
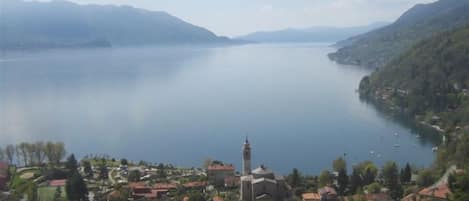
x=372, y=152
x=434, y=149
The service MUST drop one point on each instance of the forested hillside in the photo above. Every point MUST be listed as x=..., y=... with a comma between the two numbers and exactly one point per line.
x=430, y=80
x=33, y=24
x=377, y=48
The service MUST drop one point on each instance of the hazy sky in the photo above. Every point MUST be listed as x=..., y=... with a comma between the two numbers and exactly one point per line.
x=236, y=17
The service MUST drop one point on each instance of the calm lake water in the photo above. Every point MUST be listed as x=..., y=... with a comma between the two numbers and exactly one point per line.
x=182, y=105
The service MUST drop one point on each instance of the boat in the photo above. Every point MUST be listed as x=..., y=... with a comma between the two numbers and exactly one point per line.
x=434, y=149
x=372, y=152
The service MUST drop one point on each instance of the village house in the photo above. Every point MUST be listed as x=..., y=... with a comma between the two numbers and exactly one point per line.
x=218, y=172
x=433, y=193
x=140, y=190
x=311, y=197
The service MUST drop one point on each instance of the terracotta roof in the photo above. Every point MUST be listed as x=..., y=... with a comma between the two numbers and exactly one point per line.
x=56, y=183
x=164, y=186
x=217, y=198
x=221, y=168
x=195, y=184
x=311, y=196
x=136, y=184
x=441, y=191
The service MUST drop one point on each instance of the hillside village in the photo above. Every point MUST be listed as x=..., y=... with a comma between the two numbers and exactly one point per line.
x=99, y=178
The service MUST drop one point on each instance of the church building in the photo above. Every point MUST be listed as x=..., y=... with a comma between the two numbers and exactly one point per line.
x=261, y=183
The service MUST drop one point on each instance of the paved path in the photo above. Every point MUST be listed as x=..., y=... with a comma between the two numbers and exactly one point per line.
x=444, y=178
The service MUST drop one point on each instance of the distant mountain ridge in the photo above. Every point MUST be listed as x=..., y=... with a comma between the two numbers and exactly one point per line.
x=378, y=47
x=312, y=34
x=65, y=24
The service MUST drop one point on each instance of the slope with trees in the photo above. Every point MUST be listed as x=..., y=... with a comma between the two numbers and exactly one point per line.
x=378, y=47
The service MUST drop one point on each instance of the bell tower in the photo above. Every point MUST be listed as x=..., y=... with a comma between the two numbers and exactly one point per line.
x=246, y=158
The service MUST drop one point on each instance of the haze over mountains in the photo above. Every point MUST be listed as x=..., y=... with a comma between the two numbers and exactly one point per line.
x=378, y=47
x=65, y=24
x=311, y=34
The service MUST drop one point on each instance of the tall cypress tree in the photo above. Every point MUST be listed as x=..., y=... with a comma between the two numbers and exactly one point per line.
x=76, y=187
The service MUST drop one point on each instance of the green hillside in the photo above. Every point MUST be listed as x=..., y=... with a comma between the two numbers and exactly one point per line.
x=431, y=80
x=376, y=48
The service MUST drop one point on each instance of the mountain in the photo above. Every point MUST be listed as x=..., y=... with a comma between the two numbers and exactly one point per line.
x=31, y=24
x=376, y=48
x=431, y=80
x=312, y=34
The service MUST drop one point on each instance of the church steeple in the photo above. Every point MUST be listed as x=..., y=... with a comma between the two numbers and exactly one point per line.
x=246, y=157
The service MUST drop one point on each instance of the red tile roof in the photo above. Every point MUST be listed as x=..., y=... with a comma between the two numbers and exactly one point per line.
x=195, y=184
x=137, y=185
x=164, y=186
x=441, y=191
x=221, y=168
x=56, y=183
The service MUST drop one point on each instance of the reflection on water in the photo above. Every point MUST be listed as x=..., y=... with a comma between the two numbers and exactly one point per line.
x=181, y=105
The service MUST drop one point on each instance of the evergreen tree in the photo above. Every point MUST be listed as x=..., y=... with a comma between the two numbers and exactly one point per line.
x=342, y=181
x=76, y=187
x=295, y=178
x=391, y=179
x=58, y=194
x=71, y=163
x=356, y=180
x=87, y=168
x=407, y=173
x=460, y=187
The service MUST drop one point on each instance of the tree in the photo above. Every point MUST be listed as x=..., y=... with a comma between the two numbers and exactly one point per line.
x=87, y=168
x=2, y=154
x=207, y=162
x=54, y=152
x=58, y=194
x=32, y=193
x=197, y=196
x=373, y=188
x=295, y=178
x=339, y=164
x=22, y=151
x=325, y=178
x=124, y=162
x=134, y=176
x=103, y=172
x=76, y=187
x=391, y=179
x=460, y=187
x=10, y=153
x=356, y=180
x=71, y=164
x=406, y=174
x=425, y=178
x=342, y=181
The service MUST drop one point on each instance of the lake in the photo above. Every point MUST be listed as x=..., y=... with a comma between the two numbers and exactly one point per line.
x=181, y=105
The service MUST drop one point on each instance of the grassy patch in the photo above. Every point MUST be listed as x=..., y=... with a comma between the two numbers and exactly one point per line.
x=47, y=193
